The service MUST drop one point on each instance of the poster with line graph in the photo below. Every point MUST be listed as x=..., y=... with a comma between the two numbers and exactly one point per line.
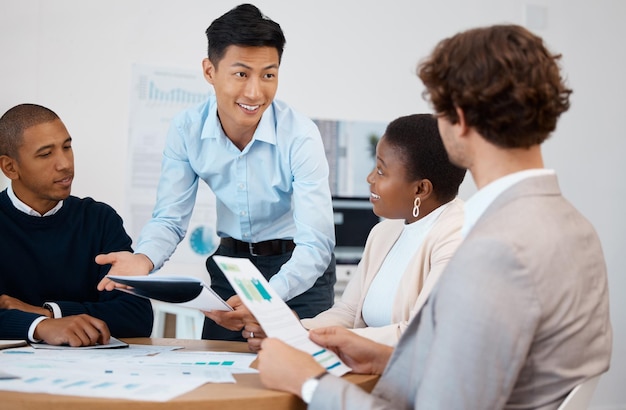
x=158, y=94
x=272, y=312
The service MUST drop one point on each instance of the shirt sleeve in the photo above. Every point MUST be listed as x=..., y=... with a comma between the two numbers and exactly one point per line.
x=313, y=217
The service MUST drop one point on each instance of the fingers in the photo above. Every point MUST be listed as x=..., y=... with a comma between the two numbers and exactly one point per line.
x=103, y=330
x=230, y=320
x=105, y=258
x=108, y=284
x=123, y=263
x=253, y=330
x=254, y=344
x=79, y=330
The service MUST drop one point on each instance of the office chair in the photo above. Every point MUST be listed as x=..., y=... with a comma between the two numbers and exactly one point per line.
x=580, y=396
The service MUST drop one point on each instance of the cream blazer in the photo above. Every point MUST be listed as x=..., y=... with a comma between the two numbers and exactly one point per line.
x=416, y=284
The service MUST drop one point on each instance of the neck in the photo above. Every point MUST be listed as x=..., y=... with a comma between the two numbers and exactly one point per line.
x=238, y=135
x=495, y=162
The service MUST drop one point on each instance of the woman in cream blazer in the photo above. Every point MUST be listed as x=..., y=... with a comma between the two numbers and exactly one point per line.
x=417, y=281
x=414, y=187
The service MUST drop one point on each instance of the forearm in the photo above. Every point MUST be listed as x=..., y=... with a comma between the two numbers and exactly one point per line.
x=125, y=315
x=299, y=274
x=14, y=324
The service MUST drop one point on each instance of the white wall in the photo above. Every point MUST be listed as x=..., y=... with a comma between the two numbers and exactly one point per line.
x=351, y=59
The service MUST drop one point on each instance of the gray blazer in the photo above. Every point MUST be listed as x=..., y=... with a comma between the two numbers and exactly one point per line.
x=518, y=318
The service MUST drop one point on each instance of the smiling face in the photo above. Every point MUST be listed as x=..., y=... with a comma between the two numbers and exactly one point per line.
x=43, y=170
x=245, y=81
x=392, y=193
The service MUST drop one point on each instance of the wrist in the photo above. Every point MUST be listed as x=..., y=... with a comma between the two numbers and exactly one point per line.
x=310, y=386
x=52, y=310
x=148, y=262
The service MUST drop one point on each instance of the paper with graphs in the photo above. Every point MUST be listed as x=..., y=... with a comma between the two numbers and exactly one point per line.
x=273, y=313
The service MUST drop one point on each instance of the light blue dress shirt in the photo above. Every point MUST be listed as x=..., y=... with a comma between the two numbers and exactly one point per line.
x=276, y=188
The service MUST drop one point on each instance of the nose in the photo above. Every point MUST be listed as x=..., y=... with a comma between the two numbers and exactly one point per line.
x=253, y=88
x=370, y=177
x=65, y=160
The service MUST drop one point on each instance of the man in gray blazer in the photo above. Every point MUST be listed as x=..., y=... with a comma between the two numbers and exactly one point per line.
x=521, y=314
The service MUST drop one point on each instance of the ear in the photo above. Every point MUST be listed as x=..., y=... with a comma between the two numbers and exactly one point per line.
x=9, y=167
x=208, y=69
x=424, y=188
x=462, y=124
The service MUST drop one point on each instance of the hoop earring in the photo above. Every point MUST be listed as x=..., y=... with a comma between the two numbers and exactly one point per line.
x=416, y=206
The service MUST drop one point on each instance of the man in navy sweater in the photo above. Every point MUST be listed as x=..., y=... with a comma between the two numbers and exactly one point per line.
x=49, y=239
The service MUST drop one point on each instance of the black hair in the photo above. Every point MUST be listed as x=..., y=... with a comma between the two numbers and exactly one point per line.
x=417, y=139
x=245, y=26
x=16, y=120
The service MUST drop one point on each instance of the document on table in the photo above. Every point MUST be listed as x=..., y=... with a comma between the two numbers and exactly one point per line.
x=272, y=312
x=113, y=344
x=136, y=373
x=7, y=344
x=181, y=290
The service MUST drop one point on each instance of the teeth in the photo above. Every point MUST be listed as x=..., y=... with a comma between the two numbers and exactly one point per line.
x=375, y=196
x=249, y=107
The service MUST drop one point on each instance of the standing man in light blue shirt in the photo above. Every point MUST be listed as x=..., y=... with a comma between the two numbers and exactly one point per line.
x=267, y=167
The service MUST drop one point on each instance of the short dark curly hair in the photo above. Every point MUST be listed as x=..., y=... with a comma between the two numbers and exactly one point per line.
x=507, y=83
x=416, y=137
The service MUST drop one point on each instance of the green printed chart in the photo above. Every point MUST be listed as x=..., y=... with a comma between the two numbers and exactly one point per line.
x=253, y=290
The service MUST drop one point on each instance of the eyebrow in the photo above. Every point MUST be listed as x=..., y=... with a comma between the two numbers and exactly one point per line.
x=269, y=67
x=45, y=147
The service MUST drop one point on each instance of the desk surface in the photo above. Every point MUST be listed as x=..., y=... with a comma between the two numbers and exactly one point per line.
x=247, y=393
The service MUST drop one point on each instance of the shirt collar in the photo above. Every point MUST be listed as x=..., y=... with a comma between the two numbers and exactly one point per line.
x=480, y=201
x=265, y=130
x=21, y=206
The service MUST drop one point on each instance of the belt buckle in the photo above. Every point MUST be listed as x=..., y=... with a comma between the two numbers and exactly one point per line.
x=251, y=249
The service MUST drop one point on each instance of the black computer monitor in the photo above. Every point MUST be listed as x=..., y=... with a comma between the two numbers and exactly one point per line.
x=354, y=219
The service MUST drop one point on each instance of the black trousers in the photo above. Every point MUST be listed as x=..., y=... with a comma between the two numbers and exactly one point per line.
x=308, y=304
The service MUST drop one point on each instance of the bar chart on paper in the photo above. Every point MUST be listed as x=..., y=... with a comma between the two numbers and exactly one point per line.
x=158, y=94
x=272, y=312
x=253, y=290
x=149, y=90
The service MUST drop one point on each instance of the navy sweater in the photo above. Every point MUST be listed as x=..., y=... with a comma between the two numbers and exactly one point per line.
x=51, y=259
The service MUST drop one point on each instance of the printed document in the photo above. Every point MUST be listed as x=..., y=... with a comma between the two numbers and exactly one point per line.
x=181, y=290
x=273, y=313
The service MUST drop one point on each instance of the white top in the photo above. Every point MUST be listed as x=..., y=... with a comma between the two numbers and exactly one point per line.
x=385, y=283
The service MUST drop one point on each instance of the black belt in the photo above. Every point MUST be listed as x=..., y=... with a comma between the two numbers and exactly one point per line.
x=265, y=248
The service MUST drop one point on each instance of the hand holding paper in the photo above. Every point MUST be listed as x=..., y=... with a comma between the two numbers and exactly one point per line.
x=272, y=313
x=182, y=290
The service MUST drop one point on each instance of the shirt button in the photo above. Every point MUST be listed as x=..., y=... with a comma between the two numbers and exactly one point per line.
x=242, y=213
x=242, y=186
x=246, y=234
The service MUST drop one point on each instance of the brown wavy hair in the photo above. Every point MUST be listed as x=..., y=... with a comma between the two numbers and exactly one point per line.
x=507, y=83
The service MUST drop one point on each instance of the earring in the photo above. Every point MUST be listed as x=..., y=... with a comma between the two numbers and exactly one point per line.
x=416, y=206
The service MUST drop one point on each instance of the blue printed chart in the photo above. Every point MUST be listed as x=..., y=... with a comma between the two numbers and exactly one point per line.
x=157, y=95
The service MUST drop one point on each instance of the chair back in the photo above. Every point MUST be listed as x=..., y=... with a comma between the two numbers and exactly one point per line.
x=580, y=396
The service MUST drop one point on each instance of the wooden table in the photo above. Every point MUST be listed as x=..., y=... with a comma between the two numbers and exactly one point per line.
x=247, y=393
